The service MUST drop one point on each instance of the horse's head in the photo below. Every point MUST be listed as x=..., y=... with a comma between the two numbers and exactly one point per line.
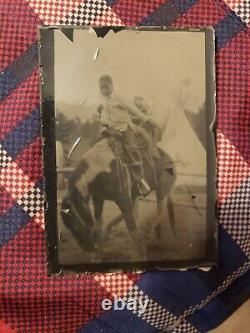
x=77, y=218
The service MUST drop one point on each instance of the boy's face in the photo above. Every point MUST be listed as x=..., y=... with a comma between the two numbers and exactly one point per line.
x=106, y=88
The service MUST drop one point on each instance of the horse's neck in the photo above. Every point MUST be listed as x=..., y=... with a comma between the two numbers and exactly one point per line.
x=101, y=150
x=98, y=159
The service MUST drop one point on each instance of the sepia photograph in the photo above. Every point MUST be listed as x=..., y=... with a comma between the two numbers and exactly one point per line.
x=128, y=117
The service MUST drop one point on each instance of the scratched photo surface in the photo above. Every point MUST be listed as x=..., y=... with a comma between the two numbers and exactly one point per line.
x=131, y=155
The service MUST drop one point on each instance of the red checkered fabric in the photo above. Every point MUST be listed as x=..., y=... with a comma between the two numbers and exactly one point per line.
x=132, y=12
x=18, y=29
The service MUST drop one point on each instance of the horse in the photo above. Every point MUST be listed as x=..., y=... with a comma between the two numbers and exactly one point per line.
x=99, y=177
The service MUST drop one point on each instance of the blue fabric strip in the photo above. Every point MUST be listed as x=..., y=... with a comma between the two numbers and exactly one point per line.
x=118, y=321
x=177, y=291
x=23, y=134
x=184, y=5
x=168, y=12
x=18, y=71
x=227, y=28
x=223, y=305
x=164, y=15
x=11, y=222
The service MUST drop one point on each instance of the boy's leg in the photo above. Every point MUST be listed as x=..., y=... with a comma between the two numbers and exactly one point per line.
x=136, y=160
x=133, y=152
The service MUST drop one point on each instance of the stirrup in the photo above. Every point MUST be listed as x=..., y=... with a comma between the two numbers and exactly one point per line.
x=143, y=188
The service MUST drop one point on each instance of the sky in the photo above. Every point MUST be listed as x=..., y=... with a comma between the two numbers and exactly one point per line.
x=165, y=68
x=149, y=64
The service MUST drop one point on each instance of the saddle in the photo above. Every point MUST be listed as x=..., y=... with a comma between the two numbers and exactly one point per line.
x=125, y=163
x=121, y=150
x=117, y=144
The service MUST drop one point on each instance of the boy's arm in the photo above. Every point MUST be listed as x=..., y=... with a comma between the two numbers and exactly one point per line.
x=134, y=110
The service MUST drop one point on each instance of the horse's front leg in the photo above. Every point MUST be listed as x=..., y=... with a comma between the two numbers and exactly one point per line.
x=116, y=220
x=162, y=214
x=98, y=231
x=136, y=207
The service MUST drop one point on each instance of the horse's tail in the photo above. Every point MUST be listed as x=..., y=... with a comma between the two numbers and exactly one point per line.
x=76, y=216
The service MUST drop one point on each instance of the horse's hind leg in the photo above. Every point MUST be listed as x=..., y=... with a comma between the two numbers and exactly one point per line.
x=116, y=220
x=162, y=214
x=171, y=214
x=98, y=209
x=111, y=225
x=165, y=212
x=136, y=207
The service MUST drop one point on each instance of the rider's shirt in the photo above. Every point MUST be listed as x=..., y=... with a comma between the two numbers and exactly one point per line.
x=117, y=113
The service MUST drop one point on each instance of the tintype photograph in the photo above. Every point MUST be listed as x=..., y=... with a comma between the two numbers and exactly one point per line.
x=128, y=117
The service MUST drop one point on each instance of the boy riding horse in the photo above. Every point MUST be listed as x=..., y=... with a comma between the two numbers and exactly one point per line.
x=115, y=116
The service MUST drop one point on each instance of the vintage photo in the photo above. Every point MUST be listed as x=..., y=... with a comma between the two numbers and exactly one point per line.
x=129, y=155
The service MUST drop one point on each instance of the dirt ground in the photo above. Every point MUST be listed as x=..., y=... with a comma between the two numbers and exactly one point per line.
x=190, y=218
